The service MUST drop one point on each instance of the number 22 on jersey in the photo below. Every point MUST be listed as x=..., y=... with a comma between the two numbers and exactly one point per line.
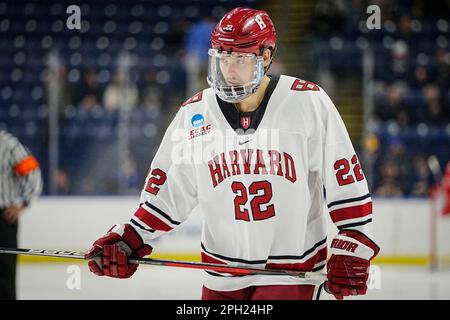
x=262, y=192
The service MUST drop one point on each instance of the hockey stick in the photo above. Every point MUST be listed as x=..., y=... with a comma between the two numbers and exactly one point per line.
x=313, y=276
x=435, y=168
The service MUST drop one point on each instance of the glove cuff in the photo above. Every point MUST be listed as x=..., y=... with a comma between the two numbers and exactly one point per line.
x=355, y=244
x=131, y=238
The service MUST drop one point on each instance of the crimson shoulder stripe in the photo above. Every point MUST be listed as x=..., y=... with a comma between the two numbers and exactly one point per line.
x=303, y=85
x=151, y=220
x=351, y=212
x=195, y=98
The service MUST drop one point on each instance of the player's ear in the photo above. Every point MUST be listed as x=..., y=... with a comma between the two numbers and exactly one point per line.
x=267, y=55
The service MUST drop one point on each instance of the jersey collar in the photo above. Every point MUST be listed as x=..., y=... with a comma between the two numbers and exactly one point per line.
x=248, y=120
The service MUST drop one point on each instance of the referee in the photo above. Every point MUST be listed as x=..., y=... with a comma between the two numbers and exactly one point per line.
x=20, y=183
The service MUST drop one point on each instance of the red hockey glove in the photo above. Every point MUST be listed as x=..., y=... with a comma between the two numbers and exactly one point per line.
x=348, y=267
x=109, y=254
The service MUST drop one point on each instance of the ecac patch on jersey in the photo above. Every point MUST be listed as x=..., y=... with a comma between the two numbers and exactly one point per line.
x=198, y=132
x=197, y=120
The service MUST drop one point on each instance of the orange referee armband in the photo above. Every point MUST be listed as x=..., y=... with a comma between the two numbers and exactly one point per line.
x=27, y=165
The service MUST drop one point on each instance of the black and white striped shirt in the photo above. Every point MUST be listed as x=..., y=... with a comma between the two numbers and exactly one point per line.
x=20, y=175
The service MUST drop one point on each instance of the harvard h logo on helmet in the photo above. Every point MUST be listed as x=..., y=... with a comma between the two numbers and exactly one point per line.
x=239, y=39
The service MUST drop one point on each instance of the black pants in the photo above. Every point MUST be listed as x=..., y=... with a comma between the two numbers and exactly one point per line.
x=8, y=238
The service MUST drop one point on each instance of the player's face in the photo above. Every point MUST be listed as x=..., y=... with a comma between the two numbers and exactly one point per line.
x=234, y=76
x=237, y=69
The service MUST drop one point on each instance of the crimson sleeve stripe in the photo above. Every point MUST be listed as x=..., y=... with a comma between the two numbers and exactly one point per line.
x=208, y=259
x=137, y=224
x=356, y=224
x=280, y=257
x=150, y=220
x=232, y=259
x=224, y=275
x=320, y=267
x=307, y=252
x=308, y=265
x=318, y=292
x=148, y=204
x=351, y=212
x=335, y=203
x=361, y=237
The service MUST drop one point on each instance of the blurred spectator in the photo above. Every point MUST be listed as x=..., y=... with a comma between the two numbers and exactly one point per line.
x=89, y=102
x=390, y=106
x=420, y=78
x=397, y=153
x=399, y=63
x=390, y=185
x=128, y=177
x=197, y=45
x=152, y=101
x=405, y=29
x=420, y=179
x=151, y=92
x=443, y=68
x=88, y=86
x=435, y=112
x=63, y=184
x=120, y=93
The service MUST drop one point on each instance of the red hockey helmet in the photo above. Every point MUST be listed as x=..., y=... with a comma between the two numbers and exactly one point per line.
x=235, y=62
x=244, y=30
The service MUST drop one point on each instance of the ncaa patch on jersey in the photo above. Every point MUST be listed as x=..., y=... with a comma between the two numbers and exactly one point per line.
x=197, y=120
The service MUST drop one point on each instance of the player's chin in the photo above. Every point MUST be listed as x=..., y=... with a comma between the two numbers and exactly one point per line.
x=234, y=83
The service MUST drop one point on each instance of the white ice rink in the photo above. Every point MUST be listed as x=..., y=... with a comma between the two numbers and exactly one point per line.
x=61, y=281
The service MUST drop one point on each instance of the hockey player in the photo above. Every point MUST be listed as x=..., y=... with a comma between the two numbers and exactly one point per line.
x=262, y=204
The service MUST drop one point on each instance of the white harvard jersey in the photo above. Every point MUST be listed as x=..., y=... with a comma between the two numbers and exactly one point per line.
x=259, y=179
